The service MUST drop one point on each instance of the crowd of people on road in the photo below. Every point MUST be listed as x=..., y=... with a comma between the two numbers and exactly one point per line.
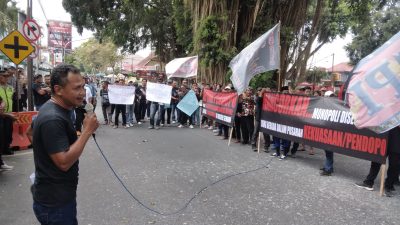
x=246, y=128
x=65, y=123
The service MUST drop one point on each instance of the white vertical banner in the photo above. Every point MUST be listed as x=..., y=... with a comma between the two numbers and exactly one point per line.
x=124, y=95
x=160, y=93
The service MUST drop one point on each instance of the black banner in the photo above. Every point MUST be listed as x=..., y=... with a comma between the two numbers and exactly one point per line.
x=320, y=122
x=220, y=106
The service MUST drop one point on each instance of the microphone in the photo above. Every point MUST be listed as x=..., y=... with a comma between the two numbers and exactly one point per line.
x=89, y=108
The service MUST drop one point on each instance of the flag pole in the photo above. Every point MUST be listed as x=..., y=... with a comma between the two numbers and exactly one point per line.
x=279, y=70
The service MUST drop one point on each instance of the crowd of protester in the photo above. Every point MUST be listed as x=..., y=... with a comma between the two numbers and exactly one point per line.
x=245, y=130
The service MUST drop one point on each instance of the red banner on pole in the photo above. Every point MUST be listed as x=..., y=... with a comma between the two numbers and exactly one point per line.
x=220, y=106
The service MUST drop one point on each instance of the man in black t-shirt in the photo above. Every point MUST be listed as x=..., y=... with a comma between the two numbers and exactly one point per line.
x=57, y=148
x=41, y=93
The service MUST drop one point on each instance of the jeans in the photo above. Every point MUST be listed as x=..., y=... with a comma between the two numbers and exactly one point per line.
x=111, y=112
x=161, y=115
x=196, y=117
x=106, y=111
x=278, y=142
x=129, y=113
x=328, y=165
x=173, y=111
x=153, y=110
x=64, y=215
x=148, y=109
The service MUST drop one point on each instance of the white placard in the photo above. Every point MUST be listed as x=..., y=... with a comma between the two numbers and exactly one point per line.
x=159, y=93
x=124, y=95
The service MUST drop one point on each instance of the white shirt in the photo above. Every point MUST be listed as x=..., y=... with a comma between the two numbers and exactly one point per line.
x=88, y=94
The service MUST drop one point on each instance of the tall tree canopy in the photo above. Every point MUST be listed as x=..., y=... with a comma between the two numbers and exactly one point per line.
x=8, y=16
x=218, y=30
x=93, y=56
x=374, y=32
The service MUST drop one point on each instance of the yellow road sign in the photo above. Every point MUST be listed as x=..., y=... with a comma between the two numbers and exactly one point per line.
x=16, y=47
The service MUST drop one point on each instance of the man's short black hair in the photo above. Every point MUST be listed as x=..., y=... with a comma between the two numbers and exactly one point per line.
x=59, y=75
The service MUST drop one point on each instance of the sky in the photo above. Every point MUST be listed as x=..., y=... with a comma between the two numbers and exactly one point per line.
x=55, y=11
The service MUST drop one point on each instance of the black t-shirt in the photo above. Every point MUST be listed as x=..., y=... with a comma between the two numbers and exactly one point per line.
x=105, y=100
x=53, y=132
x=39, y=99
x=175, y=95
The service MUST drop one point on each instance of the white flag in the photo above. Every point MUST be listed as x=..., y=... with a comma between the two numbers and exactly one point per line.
x=182, y=67
x=260, y=56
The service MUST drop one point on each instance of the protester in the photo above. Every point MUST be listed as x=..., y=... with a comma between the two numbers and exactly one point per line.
x=183, y=117
x=6, y=119
x=137, y=104
x=247, y=116
x=57, y=148
x=237, y=122
x=130, y=110
x=155, y=107
x=120, y=108
x=143, y=103
x=281, y=143
x=257, y=124
x=393, y=150
x=41, y=93
x=174, y=102
x=327, y=169
x=105, y=102
x=223, y=129
x=196, y=113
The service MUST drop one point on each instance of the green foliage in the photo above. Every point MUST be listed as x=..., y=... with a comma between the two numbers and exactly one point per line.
x=211, y=41
x=183, y=27
x=383, y=25
x=263, y=80
x=133, y=24
x=315, y=76
x=8, y=16
x=95, y=57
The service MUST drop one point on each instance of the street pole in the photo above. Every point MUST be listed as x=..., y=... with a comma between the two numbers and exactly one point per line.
x=30, y=64
x=333, y=63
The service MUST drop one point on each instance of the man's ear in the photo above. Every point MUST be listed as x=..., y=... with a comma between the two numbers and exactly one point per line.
x=58, y=90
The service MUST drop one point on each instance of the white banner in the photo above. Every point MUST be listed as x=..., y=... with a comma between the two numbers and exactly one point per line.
x=182, y=67
x=124, y=95
x=158, y=93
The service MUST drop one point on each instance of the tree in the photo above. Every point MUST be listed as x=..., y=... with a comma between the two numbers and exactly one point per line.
x=217, y=30
x=8, y=16
x=375, y=32
x=93, y=56
x=132, y=24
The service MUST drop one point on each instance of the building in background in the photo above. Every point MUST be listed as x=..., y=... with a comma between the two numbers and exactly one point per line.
x=59, y=40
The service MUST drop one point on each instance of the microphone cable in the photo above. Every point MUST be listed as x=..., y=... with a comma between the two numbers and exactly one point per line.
x=190, y=200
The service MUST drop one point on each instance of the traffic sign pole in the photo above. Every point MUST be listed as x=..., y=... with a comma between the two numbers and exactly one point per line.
x=30, y=64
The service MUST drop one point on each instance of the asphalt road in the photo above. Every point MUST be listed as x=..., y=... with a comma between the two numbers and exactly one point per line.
x=165, y=168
